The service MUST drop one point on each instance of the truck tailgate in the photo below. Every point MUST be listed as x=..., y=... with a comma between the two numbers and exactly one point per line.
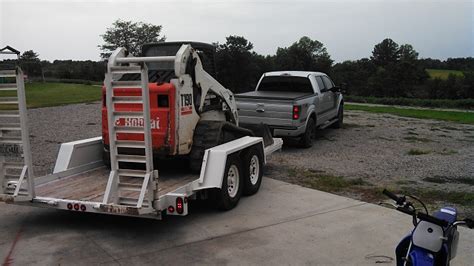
x=271, y=108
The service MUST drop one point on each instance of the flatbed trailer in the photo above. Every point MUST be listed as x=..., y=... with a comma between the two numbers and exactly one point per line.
x=80, y=178
x=81, y=182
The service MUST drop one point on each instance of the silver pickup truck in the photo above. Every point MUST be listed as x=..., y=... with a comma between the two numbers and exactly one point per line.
x=292, y=104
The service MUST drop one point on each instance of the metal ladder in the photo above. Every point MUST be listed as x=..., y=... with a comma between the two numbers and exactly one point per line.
x=118, y=191
x=16, y=176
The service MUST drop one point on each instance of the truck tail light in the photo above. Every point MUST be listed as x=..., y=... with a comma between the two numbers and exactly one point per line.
x=296, y=112
x=179, y=205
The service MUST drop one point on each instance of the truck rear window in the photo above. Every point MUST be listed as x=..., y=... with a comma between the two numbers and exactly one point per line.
x=285, y=83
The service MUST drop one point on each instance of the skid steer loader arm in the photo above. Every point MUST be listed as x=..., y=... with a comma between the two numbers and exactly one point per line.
x=187, y=61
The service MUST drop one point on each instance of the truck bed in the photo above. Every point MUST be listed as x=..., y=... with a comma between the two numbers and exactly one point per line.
x=90, y=186
x=274, y=95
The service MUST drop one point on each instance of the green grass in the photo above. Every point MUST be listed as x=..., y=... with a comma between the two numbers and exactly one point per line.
x=432, y=103
x=443, y=73
x=418, y=152
x=453, y=116
x=53, y=94
x=323, y=181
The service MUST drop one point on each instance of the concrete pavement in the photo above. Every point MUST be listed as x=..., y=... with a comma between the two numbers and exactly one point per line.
x=282, y=224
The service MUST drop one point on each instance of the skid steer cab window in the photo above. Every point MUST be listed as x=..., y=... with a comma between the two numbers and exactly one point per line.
x=285, y=83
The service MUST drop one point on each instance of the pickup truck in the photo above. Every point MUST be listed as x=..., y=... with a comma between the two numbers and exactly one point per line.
x=293, y=104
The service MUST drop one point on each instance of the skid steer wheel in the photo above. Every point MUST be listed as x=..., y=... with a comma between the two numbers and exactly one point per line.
x=306, y=140
x=232, y=185
x=252, y=170
x=340, y=118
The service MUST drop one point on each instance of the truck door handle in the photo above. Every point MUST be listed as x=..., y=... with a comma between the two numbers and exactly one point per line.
x=260, y=110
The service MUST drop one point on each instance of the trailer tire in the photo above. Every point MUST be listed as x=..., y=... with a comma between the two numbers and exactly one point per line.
x=229, y=194
x=252, y=170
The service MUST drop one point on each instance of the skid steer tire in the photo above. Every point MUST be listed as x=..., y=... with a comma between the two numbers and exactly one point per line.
x=252, y=170
x=228, y=196
x=208, y=134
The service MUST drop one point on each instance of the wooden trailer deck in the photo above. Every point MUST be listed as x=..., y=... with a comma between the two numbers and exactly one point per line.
x=90, y=186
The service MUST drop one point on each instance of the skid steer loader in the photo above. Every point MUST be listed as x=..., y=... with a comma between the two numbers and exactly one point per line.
x=190, y=111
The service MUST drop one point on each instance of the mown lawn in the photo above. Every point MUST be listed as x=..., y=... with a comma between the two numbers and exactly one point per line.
x=53, y=94
x=453, y=116
x=443, y=73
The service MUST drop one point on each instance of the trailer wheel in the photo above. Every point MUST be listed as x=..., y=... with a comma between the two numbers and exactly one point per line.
x=253, y=170
x=229, y=194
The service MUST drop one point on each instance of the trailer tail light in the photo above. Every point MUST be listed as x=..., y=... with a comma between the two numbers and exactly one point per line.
x=296, y=112
x=69, y=206
x=170, y=209
x=83, y=208
x=179, y=205
x=76, y=207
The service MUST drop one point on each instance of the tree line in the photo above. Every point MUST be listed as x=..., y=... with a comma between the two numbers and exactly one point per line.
x=392, y=70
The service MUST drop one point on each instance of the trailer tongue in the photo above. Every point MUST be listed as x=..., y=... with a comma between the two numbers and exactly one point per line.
x=132, y=187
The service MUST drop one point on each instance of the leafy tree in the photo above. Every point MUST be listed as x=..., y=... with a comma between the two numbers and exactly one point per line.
x=130, y=35
x=407, y=53
x=386, y=52
x=30, y=63
x=305, y=54
x=238, y=67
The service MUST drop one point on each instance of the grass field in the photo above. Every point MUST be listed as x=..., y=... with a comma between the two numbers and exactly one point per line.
x=53, y=94
x=443, y=73
x=453, y=116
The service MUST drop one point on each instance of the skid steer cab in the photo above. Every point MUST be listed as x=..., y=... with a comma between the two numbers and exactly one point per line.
x=190, y=110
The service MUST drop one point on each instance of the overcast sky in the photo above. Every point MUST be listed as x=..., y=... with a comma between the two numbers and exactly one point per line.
x=348, y=28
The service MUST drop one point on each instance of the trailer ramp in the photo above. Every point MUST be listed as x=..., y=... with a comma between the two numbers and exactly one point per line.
x=120, y=191
x=16, y=171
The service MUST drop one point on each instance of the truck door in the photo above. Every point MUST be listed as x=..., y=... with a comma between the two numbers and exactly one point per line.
x=331, y=96
x=325, y=99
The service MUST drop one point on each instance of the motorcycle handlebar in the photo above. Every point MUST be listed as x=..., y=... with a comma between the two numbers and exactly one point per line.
x=431, y=219
x=406, y=211
x=399, y=200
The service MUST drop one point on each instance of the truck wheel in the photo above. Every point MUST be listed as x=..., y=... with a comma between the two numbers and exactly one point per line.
x=306, y=140
x=229, y=194
x=253, y=170
x=340, y=118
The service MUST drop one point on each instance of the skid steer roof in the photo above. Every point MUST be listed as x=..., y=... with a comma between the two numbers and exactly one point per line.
x=206, y=52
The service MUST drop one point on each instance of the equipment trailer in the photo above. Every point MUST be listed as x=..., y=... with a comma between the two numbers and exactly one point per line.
x=81, y=181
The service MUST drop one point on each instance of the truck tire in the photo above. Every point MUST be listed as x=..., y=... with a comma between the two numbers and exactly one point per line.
x=228, y=196
x=340, y=118
x=306, y=140
x=252, y=170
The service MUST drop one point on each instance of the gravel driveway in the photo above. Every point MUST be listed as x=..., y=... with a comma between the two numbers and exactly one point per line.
x=51, y=126
x=384, y=149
